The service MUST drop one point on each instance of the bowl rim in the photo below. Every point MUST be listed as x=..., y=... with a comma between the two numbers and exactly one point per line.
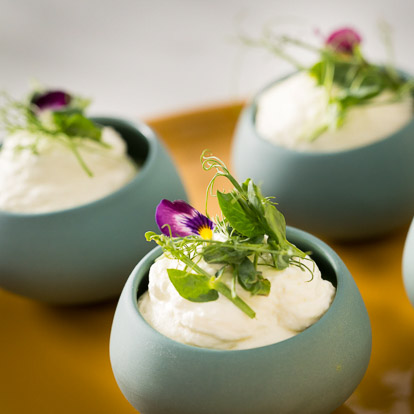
x=342, y=276
x=250, y=111
x=147, y=133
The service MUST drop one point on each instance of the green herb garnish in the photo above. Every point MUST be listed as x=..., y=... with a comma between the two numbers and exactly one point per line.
x=52, y=114
x=251, y=232
x=348, y=77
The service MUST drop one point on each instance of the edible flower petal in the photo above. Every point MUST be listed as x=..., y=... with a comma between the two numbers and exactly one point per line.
x=179, y=219
x=343, y=40
x=51, y=100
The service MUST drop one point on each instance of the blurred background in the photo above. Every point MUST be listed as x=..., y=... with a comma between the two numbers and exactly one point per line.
x=142, y=59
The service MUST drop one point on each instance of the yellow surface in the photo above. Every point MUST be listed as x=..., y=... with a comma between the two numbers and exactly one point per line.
x=56, y=359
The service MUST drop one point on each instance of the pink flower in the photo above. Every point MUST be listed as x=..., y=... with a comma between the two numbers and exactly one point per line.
x=343, y=40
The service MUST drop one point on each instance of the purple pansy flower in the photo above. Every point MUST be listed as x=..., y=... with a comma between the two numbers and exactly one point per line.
x=343, y=40
x=51, y=100
x=179, y=218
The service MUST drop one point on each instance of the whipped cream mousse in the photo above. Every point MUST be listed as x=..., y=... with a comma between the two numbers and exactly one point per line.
x=292, y=109
x=52, y=179
x=296, y=301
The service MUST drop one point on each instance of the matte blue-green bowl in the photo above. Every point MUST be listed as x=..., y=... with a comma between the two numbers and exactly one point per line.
x=356, y=193
x=313, y=372
x=85, y=254
x=408, y=263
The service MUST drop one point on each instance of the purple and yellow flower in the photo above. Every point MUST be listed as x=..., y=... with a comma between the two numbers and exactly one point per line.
x=343, y=40
x=51, y=101
x=179, y=219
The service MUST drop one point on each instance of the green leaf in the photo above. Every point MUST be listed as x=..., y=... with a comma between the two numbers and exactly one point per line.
x=76, y=125
x=191, y=286
x=239, y=218
x=254, y=196
x=276, y=222
x=282, y=261
x=215, y=253
x=317, y=71
x=252, y=280
x=256, y=240
x=357, y=96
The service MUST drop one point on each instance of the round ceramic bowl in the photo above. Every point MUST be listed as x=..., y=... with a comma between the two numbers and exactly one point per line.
x=356, y=193
x=85, y=254
x=313, y=372
x=408, y=264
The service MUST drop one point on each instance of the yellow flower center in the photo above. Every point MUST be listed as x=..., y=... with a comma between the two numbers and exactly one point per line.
x=205, y=232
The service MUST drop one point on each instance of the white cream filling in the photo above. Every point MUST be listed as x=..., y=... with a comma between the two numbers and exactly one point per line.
x=295, y=302
x=53, y=179
x=292, y=109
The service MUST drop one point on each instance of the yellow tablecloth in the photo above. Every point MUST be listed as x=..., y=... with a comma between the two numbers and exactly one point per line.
x=56, y=359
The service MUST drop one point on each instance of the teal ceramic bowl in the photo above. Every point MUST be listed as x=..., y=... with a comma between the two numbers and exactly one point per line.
x=408, y=263
x=357, y=193
x=313, y=372
x=85, y=254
